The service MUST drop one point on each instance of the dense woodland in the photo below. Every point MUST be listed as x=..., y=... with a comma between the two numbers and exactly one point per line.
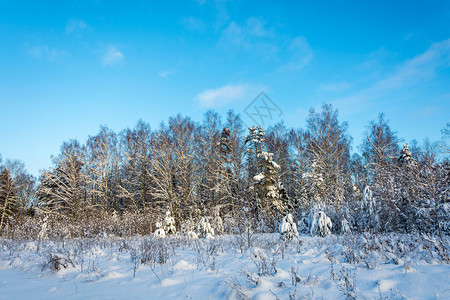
x=123, y=183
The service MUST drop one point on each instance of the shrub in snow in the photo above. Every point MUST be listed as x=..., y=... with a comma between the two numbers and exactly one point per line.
x=288, y=229
x=58, y=262
x=345, y=227
x=169, y=221
x=159, y=232
x=217, y=220
x=368, y=208
x=43, y=232
x=264, y=265
x=406, y=155
x=314, y=181
x=258, y=177
x=303, y=224
x=319, y=223
x=191, y=235
x=204, y=228
x=443, y=212
x=188, y=225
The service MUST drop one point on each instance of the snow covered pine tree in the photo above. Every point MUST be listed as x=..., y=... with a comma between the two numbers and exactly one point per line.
x=288, y=228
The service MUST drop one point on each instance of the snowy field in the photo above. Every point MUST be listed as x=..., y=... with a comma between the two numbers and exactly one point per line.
x=335, y=267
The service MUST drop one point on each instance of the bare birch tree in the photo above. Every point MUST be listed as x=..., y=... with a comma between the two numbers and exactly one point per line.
x=135, y=182
x=63, y=188
x=8, y=197
x=101, y=163
x=329, y=148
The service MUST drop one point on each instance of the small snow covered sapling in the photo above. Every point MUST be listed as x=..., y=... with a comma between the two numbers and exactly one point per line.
x=258, y=177
x=303, y=224
x=159, y=232
x=370, y=218
x=288, y=228
x=204, y=228
x=169, y=221
x=319, y=223
x=217, y=220
x=345, y=227
x=43, y=232
x=188, y=225
x=191, y=235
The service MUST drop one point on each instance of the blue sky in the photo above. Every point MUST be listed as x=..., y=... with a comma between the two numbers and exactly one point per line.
x=67, y=67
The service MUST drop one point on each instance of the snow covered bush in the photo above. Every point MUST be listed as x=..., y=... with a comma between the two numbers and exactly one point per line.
x=217, y=220
x=188, y=225
x=303, y=224
x=258, y=177
x=369, y=217
x=159, y=232
x=205, y=229
x=43, y=232
x=443, y=212
x=319, y=223
x=345, y=227
x=288, y=229
x=191, y=235
x=58, y=261
x=264, y=265
x=169, y=221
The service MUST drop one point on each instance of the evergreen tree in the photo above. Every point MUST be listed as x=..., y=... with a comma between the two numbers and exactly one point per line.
x=268, y=186
x=277, y=141
x=445, y=141
x=225, y=180
x=270, y=203
x=24, y=184
x=369, y=211
x=314, y=181
x=255, y=142
x=256, y=145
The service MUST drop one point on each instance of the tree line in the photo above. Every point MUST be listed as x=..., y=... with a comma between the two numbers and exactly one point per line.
x=245, y=175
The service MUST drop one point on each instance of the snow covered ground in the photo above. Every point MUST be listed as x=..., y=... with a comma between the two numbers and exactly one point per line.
x=335, y=267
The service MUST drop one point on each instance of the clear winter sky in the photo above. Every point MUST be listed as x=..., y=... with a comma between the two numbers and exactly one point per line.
x=67, y=67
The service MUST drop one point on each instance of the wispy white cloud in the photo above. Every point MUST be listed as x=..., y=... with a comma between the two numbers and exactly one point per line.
x=335, y=86
x=193, y=24
x=112, y=56
x=257, y=28
x=410, y=35
x=220, y=96
x=228, y=94
x=256, y=38
x=425, y=112
x=300, y=54
x=46, y=52
x=165, y=74
x=301, y=113
x=252, y=35
x=222, y=15
x=75, y=25
x=412, y=73
x=418, y=69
